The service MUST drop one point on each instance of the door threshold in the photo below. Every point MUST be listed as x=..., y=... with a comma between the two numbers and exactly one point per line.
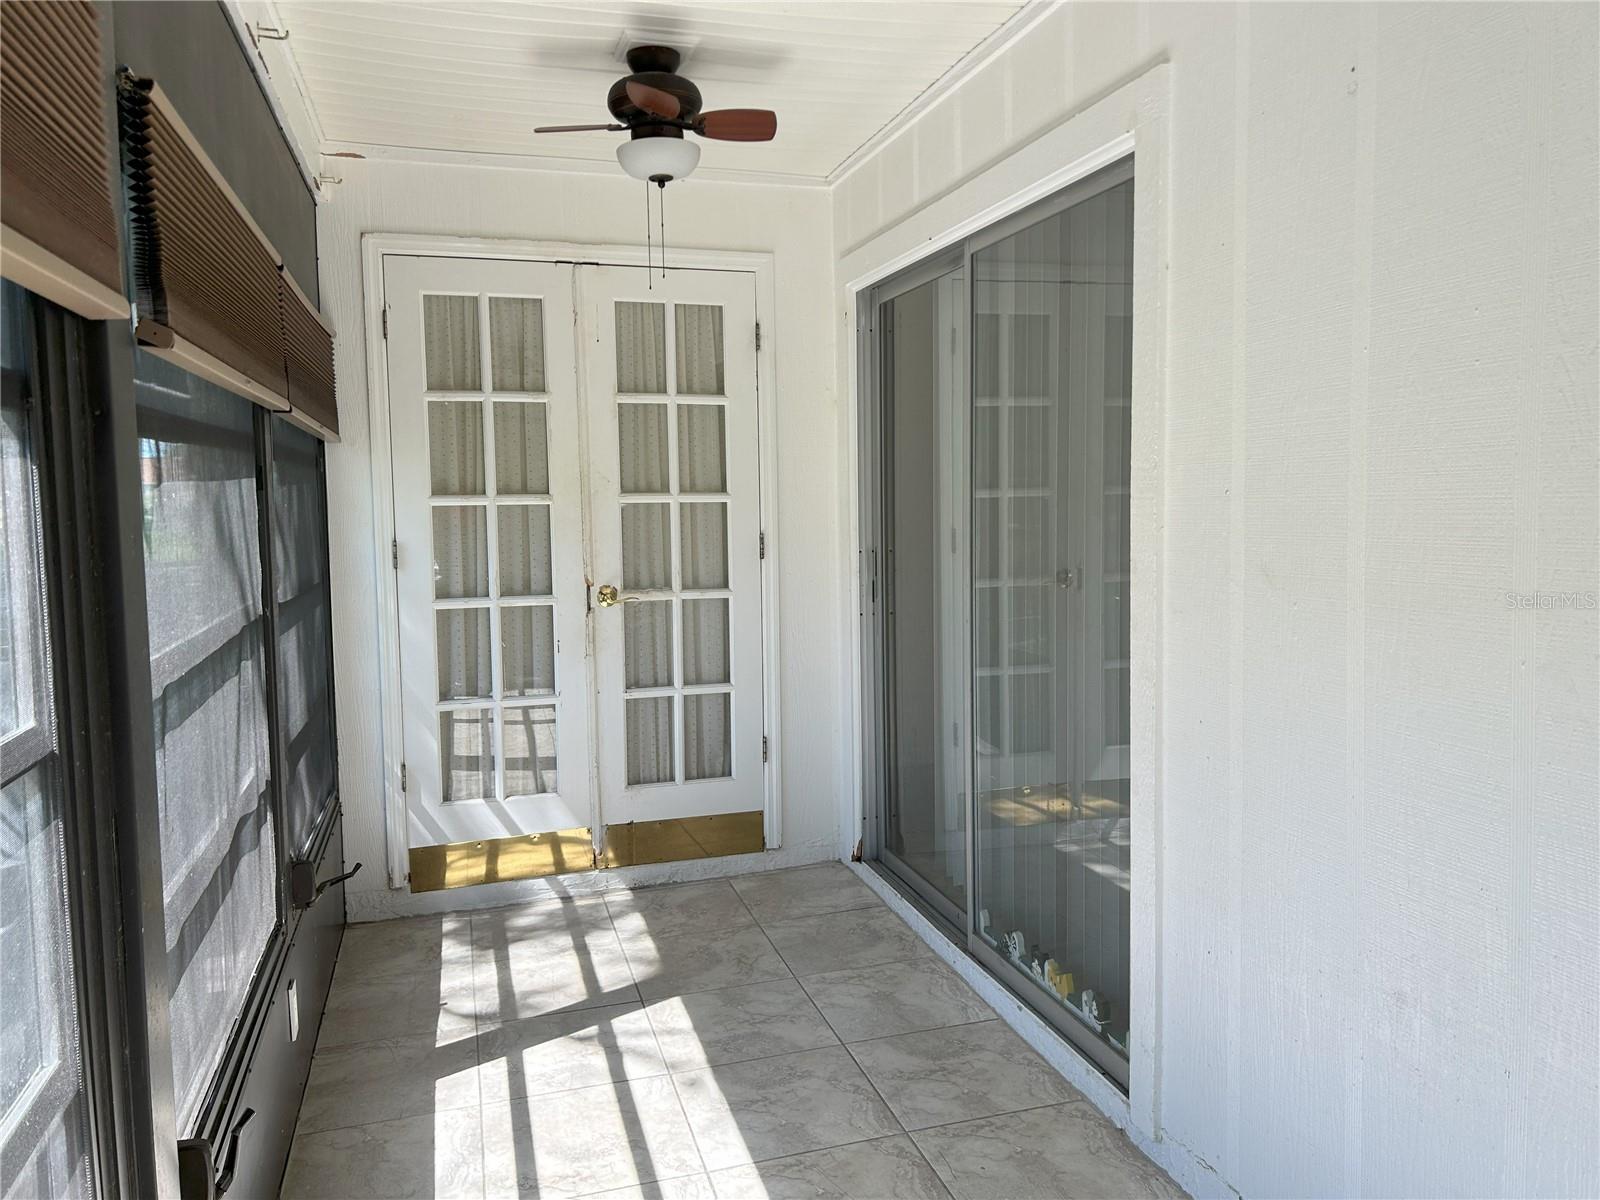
x=640, y=842
x=500, y=860
x=571, y=851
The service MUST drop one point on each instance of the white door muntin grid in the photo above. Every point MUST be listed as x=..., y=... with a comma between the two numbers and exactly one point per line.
x=698, y=771
x=506, y=604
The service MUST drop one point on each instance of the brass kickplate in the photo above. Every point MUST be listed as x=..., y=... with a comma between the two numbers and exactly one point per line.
x=498, y=860
x=641, y=842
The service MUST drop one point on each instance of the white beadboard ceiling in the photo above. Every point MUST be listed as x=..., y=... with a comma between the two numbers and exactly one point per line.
x=476, y=78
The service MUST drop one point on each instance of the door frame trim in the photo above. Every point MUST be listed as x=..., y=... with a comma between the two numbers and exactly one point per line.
x=374, y=248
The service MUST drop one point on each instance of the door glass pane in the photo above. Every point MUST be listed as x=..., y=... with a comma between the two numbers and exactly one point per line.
x=460, y=551
x=524, y=533
x=465, y=672
x=708, y=736
x=705, y=545
x=647, y=641
x=699, y=346
x=1052, y=839
x=455, y=447
x=642, y=448
x=521, y=449
x=450, y=343
x=641, y=347
x=530, y=747
x=516, y=344
x=528, y=646
x=705, y=641
x=466, y=754
x=650, y=740
x=646, y=546
x=925, y=792
x=702, y=448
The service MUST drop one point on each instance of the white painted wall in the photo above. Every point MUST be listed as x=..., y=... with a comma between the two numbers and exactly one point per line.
x=794, y=226
x=1379, y=911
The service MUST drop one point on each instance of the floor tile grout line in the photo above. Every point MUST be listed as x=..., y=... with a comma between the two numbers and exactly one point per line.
x=433, y=1110
x=884, y=1037
x=994, y=1116
x=694, y=1138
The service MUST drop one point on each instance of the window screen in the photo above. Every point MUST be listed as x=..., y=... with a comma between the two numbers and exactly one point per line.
x=44, y=1130
x=203, y=588
x=299, y=558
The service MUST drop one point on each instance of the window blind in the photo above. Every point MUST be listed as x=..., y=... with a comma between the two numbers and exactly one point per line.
x=308, y=346
x=207, y=279
x=213, y=293
x=55, y=181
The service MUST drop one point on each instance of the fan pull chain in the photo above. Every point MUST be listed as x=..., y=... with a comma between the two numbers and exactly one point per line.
x=649, y=258
x=661, y=209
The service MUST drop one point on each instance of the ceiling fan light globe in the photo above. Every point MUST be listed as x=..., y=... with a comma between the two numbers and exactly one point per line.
x=650, y=158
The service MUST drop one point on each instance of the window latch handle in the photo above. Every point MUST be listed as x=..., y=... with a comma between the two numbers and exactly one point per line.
x=304, y=890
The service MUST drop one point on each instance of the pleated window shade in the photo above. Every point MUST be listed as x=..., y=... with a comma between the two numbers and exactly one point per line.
x=212, y=291
x=308, y=346
x=55, y=181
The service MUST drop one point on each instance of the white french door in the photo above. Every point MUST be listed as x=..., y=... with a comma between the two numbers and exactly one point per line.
x=488, y=552
x=675, y=505
x=577, y=515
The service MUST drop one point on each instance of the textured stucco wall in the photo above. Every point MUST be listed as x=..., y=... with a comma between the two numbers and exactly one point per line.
x=1379, y=914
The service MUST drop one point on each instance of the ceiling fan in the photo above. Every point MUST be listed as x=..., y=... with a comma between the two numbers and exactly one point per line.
x=657, y=106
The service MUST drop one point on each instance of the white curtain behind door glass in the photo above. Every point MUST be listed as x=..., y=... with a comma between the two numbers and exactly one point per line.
x=521, y=449
x=529, y=737
x=705, y=641
x=203, y=584
x=650, y=740
x=525, y=568
x=450, y=343
x=702, y=448
x=641, y=347
x=705, y=545
x=707, y=752
x=642, y=448
x=516, y=344
x=646, y=547
x=528, y=645
x=647, y=641
x=699, y=346
x=460, y=551
x=455, y=447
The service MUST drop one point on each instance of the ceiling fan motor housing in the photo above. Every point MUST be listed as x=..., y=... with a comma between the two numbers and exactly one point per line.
x=653, y=66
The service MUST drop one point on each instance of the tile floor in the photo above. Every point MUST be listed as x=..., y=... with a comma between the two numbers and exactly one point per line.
x=775, y=1035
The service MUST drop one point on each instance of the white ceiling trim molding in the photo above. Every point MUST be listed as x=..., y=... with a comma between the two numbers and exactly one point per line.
x=278, y=71
x=1015, y=28
x=261, y=30
x=343, y=152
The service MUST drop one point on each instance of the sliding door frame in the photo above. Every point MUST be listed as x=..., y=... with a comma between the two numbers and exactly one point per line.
x=875, y=473
x=877, y=367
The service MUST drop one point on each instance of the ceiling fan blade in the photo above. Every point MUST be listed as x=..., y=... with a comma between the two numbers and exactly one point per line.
x=738, y=124
x=575, y=128
x=653, y=100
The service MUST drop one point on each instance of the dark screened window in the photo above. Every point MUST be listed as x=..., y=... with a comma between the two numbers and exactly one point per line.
x=305, y=655
x=208, y=684
x=44, y=1126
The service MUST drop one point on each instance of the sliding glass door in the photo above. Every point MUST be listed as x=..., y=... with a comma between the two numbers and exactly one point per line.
x=926, y=794
x=997, y=446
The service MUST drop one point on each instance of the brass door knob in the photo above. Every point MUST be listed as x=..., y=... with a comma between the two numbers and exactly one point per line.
x=607, y=596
